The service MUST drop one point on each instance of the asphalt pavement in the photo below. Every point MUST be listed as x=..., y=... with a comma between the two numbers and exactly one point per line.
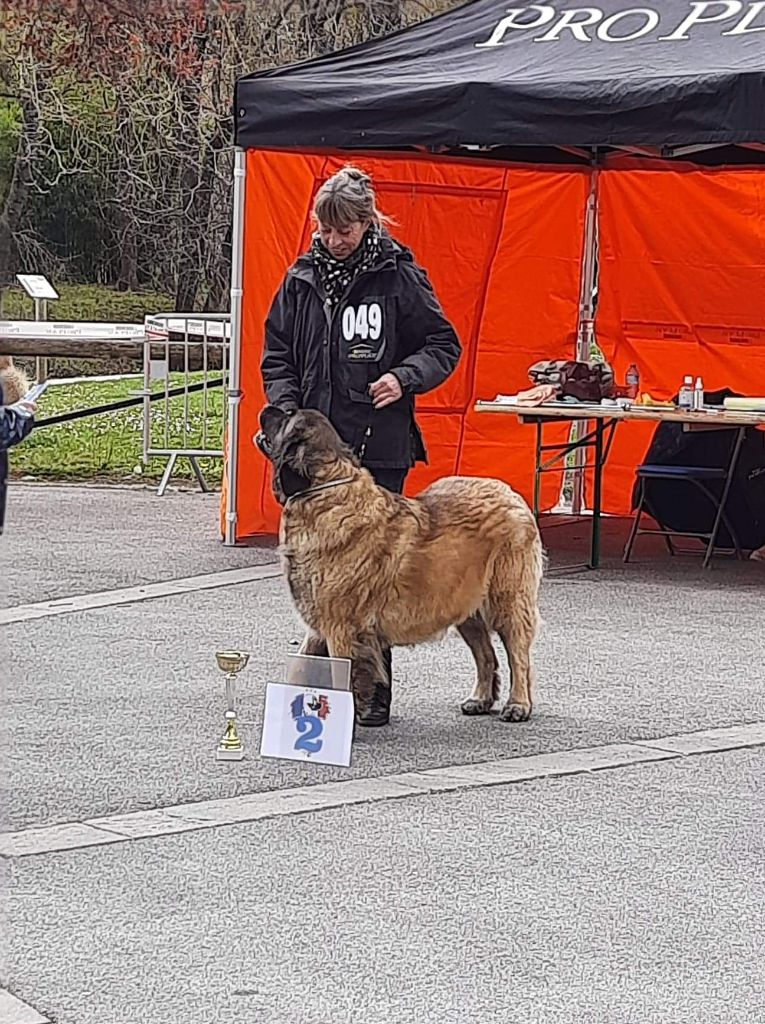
x=632, y=893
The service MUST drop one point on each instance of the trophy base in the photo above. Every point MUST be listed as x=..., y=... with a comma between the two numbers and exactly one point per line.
x=229, y=755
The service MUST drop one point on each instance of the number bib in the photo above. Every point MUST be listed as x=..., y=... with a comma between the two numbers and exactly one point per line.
x=362, y=331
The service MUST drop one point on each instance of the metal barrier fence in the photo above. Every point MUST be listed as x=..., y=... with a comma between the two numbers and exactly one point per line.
x=186, y=369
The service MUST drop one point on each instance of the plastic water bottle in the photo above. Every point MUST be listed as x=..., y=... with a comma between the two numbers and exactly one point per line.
x=686, y=394
x=633, y=381
x=698, y=394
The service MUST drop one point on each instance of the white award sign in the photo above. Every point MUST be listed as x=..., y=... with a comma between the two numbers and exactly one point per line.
x=303, y=723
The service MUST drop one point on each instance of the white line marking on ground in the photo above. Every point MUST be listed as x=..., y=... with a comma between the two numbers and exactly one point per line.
x=120, y=828
x=142, y=592
x=13, y=1011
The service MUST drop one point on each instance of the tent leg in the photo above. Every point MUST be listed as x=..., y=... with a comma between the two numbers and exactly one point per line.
x=235, y=348
x=586, y=327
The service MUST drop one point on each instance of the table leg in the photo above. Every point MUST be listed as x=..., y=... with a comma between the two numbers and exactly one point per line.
x=736, y=448
x=538, y=470
x=597, y=499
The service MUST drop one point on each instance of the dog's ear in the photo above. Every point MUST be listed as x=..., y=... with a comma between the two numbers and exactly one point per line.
x=272, y=418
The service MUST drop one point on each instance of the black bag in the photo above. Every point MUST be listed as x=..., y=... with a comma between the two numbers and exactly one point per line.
x=586, y=382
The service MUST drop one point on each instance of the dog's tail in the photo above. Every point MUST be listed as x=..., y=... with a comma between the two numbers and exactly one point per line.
x=534, y=568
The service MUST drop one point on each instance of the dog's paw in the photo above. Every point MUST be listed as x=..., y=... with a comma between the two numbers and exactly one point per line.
x=476, y=707
x=515, y=712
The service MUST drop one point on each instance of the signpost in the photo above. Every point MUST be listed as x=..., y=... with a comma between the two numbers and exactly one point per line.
x=40, y=290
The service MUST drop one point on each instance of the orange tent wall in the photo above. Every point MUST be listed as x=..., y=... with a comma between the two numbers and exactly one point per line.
x=681, y=290
x=503, y=247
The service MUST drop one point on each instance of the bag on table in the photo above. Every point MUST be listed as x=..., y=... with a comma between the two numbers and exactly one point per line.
x=586, y=382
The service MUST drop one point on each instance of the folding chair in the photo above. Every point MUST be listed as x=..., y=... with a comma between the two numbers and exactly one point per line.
x=698, y=476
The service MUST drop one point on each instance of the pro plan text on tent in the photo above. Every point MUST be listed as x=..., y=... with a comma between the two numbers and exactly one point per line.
x=668, y=74
x=721, y=17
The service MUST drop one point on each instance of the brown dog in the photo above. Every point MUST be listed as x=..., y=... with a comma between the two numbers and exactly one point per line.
x=365, y=566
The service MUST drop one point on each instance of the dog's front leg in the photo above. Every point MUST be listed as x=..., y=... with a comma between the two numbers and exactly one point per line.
x=369, y=679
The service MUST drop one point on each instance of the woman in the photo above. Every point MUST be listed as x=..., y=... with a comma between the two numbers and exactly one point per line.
x=356, y=331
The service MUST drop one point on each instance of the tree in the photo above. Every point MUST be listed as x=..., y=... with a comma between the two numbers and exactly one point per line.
x=121, y=110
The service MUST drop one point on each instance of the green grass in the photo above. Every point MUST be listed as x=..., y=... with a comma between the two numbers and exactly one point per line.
x=89, y=302
x=109, y=446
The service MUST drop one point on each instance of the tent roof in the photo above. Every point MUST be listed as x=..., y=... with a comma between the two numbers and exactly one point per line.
x=670, y=73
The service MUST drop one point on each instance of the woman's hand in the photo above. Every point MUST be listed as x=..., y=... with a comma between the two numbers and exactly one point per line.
x=24, y=408
x=386, y=390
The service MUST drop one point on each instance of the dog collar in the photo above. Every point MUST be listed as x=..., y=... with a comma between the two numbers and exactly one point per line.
x=319, y=487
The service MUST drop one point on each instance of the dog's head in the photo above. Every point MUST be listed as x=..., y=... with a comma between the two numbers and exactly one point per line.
x=304, y=448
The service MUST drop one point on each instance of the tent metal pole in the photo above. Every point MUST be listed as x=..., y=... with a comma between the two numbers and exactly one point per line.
x=235, y=347
x=586, y=326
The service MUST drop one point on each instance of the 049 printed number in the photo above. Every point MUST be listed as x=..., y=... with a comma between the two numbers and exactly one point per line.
x=364, y=322
x=311, y=728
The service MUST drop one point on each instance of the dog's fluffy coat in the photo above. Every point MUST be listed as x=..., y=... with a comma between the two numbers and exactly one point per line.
x=13, y=381
x=365, y=566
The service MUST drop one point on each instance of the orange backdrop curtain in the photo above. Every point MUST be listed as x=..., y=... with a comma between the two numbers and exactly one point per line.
x=681, y=291
x=503, y=248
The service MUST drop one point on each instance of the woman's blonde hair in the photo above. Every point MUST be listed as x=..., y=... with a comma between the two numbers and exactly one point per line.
x=348, y=196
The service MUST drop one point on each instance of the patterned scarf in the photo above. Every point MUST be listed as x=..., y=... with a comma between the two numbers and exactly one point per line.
x=337, y=275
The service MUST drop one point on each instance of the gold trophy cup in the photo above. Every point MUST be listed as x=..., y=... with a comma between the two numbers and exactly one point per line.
x=230, y=747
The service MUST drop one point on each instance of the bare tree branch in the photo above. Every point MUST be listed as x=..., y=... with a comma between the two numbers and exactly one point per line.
x=126, y=105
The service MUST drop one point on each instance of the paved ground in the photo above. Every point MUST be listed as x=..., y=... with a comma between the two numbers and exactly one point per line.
x=64, y=540
x=628, y=895
x=622, y=897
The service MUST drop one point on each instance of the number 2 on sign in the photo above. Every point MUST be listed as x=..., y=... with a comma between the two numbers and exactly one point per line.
x=312, y=728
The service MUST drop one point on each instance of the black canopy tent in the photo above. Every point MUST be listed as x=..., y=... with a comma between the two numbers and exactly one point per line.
x=669, y=75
